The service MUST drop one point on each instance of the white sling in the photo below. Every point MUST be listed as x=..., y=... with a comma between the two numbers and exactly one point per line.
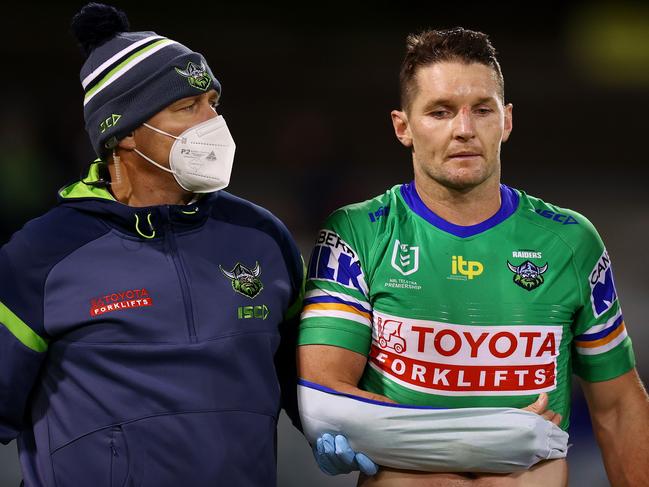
x=435, y=440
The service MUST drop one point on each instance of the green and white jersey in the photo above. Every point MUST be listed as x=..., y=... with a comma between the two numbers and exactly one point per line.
x=467, y=316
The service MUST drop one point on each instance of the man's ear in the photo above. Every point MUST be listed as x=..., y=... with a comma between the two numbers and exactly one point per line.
x=128, y=142
x=509, y=121
x=401, y=127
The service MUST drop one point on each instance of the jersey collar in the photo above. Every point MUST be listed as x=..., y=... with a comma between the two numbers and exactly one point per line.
x=509, y=203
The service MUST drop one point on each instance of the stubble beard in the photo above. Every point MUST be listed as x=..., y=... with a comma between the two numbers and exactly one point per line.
x=462, y=179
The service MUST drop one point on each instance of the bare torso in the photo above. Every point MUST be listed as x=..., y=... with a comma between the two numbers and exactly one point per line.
x=551, y=473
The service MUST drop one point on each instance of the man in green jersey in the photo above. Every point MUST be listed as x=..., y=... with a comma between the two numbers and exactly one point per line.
x=457, y=291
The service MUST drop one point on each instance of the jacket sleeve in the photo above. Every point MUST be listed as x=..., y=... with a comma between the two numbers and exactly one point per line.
x=23, y=344
x=285, y=358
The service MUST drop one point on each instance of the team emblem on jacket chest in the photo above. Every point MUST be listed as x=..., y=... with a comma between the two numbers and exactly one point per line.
x=244, y=280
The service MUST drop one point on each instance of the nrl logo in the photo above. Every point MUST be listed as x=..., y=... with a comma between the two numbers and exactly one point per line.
x=405, y=258
x=245, y=281
x=527, y=275
x=197, y=76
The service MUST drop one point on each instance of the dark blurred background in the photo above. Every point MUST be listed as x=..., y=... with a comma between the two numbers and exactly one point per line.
x=307, y=91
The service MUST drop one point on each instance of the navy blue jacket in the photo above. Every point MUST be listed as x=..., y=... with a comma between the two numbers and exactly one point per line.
x=141, y=346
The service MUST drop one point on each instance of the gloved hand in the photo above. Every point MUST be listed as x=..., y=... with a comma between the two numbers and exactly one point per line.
x=335, y=456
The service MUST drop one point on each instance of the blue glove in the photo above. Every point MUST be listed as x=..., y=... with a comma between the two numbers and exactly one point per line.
x=335, y=456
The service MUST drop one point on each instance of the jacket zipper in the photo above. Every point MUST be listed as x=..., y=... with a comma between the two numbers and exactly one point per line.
x=182, y=278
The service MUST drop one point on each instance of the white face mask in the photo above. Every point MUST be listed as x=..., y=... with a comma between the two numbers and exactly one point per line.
x=201, y=157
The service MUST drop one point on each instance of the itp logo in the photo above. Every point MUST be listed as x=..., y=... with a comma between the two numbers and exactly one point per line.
x=468, y=268
x=405, y=258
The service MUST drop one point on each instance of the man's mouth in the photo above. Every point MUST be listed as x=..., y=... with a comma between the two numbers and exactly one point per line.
x=464, y=155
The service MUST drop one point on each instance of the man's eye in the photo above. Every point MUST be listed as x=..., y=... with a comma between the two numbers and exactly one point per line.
x=439, y=113
x=484, y=111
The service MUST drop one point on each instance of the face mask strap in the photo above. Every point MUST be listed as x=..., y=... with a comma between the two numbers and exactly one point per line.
x=153, y=162
x=160, y=131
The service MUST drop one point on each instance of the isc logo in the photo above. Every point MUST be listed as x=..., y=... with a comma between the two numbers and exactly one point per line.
x=259, y=311
x=381, y=212
x=109, y=122
x=557, y=217
x=468, y=268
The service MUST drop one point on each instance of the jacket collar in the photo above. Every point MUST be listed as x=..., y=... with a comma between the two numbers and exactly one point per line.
x=91, y=195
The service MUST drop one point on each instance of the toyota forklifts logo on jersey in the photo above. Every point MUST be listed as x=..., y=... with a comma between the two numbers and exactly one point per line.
x=457, y=359
x=390, y=335
x=133, y=298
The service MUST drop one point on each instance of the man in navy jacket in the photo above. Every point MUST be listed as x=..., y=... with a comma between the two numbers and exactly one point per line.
x=147, y=321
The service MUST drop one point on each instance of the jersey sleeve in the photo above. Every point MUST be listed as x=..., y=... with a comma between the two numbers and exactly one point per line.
x=337, y=309
x=23, y=342
x=602, y=349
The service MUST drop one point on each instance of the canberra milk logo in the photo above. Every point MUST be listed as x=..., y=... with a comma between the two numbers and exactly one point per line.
x=244, y=280
x=197, y=76
x=334, y=260
x=405, y=258
x=133, y=298
x=602, y=286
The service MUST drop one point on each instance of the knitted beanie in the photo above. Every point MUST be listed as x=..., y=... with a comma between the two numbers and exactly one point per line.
x=130, y=76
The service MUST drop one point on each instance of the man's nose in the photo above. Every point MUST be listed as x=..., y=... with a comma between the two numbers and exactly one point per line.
x=463, y=124
x=207, y=111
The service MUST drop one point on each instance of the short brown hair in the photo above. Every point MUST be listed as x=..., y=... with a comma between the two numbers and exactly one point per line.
x=434, y=46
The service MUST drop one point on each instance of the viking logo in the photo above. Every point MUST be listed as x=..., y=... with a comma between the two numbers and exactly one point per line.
x=244, y=280
x=197, y=76
x=527, y=275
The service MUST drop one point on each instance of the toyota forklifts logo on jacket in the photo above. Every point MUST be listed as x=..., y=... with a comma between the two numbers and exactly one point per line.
x=132, y=298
